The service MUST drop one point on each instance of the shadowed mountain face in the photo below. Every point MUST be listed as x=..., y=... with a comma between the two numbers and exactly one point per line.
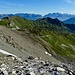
x=60, y=16
x=54, y=24
x=70, y=21
x=51, y=21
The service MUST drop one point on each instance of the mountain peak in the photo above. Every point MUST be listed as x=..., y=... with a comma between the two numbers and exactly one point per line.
x=60, y=16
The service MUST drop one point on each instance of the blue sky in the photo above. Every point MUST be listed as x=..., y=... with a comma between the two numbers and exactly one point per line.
x=37, y=6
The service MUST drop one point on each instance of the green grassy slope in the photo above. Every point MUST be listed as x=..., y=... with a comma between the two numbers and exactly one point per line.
x=4, y=22
x=59, y=37
x=21, y=22
x=63, y=45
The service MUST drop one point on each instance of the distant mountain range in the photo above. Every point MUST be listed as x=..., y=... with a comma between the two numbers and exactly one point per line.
x=70, y=21
x=59, y=16
x=24, y=15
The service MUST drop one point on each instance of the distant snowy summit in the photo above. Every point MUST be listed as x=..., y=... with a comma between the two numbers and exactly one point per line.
x=59, y=16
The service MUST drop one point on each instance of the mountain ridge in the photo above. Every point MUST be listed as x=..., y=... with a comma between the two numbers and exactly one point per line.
x=60, y=16
x=48, y=30
x=54, y=36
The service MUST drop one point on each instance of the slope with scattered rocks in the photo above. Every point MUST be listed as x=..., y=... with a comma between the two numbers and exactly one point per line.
x=23, y=44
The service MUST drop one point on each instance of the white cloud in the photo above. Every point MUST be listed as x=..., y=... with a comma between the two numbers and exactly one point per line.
x=63, y=9
x=70, y=11
x=68, y=1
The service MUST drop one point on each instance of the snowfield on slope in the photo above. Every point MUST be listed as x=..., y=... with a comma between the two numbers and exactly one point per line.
x=48, y=53
x=7, y=53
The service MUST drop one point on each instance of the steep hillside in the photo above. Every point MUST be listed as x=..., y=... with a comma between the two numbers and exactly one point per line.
x=62, y=44
x=37, y=37
x=58, y=35
x=53, y=25
x=21, y=22
x=4, y=21
x=70, y=21
x=23, y=44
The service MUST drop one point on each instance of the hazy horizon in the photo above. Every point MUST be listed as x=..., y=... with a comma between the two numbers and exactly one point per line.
x=37, y=7
x=36, y=13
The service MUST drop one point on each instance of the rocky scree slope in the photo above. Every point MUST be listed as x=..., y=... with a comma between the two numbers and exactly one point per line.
x=23, y=44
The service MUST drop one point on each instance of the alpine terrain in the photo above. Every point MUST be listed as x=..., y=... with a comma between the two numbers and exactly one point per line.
x=44, y=46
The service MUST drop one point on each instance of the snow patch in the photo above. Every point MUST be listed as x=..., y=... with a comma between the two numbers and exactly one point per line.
x=60, y=69
x=63, y=45
x=17, y=27
x=48, y=53
x=73, y=47
x=32, y=73
x=7, y=53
